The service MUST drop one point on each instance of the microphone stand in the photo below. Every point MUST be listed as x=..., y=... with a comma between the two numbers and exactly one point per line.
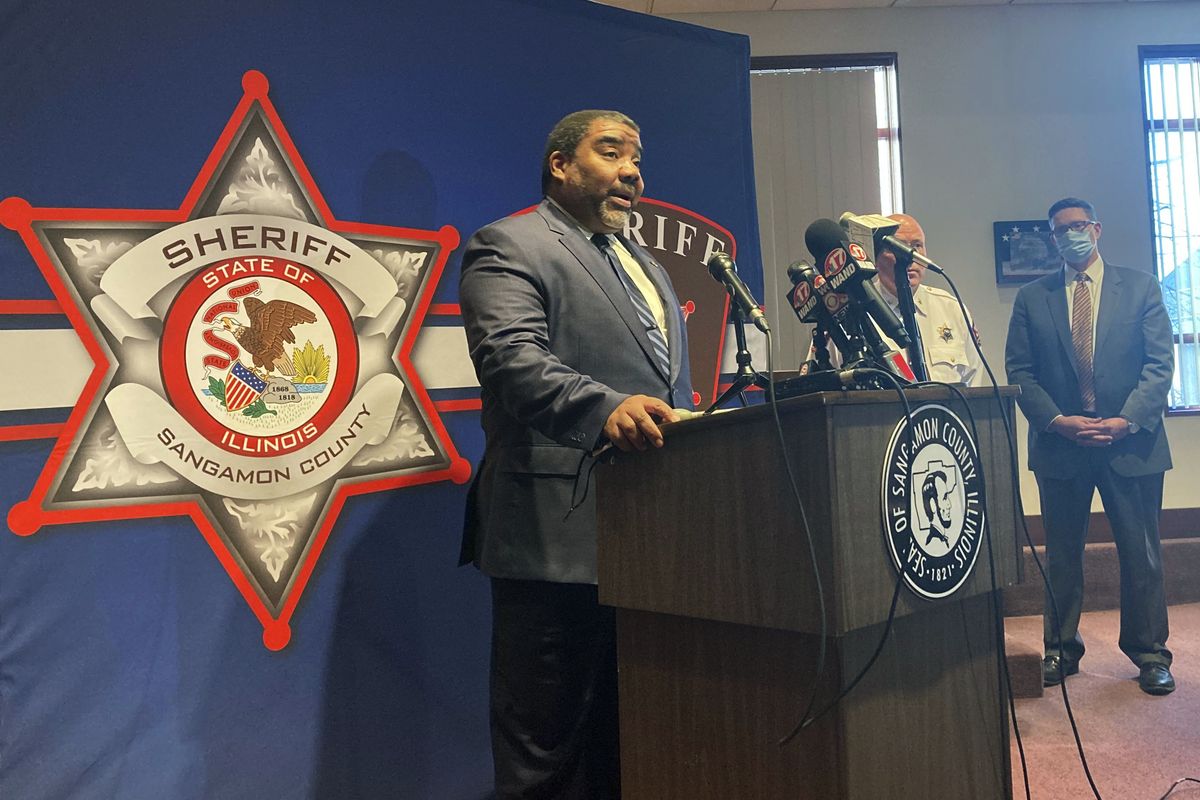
x=821, y=345
x=908, y=314
x=880, y=351
x=747, y=375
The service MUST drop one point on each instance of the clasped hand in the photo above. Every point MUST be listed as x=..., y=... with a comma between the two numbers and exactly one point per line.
x=1090, y=432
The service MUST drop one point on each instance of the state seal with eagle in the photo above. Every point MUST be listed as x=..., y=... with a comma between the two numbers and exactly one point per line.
x=269, y=355
x=269, y=330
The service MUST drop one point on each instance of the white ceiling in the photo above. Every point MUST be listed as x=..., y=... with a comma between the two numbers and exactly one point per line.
x=666, y=7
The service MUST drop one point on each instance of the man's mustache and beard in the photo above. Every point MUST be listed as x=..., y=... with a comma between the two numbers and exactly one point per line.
x=613, y=207
x=614, y=216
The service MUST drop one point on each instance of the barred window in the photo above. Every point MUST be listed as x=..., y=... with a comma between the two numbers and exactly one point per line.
x=1171, y=103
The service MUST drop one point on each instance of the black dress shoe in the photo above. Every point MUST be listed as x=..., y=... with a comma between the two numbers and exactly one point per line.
x=1054, y=669
x=1156, y=679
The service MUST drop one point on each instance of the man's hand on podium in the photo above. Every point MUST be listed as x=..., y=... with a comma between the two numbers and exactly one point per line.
x=633, y=425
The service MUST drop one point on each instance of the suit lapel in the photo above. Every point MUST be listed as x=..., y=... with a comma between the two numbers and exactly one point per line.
x=1056, y=302
x=1110, y=291
x=658, y=276
x=597, y=266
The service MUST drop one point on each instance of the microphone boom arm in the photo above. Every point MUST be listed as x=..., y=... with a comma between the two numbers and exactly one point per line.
x=908, y=311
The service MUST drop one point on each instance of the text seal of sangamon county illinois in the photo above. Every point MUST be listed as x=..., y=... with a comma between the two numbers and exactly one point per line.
x=934, y=538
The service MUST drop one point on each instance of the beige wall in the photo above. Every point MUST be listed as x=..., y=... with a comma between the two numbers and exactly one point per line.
x=1003, y=110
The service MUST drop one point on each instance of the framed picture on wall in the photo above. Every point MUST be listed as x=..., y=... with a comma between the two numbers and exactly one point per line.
x=1024, y=251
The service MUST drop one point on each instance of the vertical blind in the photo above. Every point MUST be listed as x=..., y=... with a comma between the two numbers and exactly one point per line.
x=826, y=140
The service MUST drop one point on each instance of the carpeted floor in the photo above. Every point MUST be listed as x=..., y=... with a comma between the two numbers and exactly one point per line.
x=1136, y=745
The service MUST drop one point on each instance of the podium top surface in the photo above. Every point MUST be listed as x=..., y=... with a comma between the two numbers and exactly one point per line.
x=843, y=398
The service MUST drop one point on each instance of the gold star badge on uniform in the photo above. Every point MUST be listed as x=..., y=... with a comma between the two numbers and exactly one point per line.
x=945, y=332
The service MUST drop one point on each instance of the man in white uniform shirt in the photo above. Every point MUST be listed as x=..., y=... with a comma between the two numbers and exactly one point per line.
x=950, y=354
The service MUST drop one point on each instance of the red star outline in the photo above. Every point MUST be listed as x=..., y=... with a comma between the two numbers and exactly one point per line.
x=28, y=516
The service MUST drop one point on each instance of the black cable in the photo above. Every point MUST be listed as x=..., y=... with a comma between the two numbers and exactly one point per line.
x=1012, y=448
x=997, y=612
x=586, y=479
x=1177, y=784
x=807, y=719
x=773, y=401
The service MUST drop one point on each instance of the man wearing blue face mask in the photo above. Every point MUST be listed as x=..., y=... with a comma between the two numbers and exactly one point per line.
x=1092, y=350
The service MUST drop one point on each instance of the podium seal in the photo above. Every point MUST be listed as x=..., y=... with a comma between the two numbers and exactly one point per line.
x=932, y=503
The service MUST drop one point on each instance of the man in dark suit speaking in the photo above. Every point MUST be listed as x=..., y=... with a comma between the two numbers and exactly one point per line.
x=1091, y=348
x=578, y=341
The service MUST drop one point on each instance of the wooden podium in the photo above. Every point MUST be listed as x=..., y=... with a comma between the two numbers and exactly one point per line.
x=702, y=553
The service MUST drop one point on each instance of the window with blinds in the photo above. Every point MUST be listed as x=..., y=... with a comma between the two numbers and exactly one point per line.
x=826, y=140
x=1171, y=104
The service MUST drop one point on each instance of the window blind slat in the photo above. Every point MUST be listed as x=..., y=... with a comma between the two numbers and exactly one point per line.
x=817, y=153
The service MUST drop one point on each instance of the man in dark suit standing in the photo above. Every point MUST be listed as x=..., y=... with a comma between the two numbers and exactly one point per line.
x=1091, y=348
x=578, y=341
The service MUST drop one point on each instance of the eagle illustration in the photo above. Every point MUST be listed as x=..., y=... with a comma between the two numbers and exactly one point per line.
x=270, y=327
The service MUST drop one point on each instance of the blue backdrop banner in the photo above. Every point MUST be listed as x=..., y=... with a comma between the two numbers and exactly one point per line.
x=238, y=415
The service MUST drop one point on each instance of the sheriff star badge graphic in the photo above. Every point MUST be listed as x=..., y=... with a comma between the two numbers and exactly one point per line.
x=251, y=361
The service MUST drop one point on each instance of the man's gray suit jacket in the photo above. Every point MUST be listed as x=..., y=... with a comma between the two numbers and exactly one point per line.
x=1133, y=365
x=557, y=346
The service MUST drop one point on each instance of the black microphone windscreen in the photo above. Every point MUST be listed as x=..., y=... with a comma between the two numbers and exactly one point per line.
x=719, y=263
x=823, y=236
x=796, y=271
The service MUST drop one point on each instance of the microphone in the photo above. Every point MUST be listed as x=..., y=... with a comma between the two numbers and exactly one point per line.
x=724, y=271
x=804, y=302
x=814, y=301
x=845, y=264
x=810, y=306
x=868, y=230
x=909, y=254
x=797, y=270
x=873, y=231
x=802, y=297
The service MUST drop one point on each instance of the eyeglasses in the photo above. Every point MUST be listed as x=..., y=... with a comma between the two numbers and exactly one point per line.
x=1077, y=226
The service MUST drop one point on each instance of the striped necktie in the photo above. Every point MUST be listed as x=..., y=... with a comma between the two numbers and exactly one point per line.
x=658, y=340
x=1081, y=338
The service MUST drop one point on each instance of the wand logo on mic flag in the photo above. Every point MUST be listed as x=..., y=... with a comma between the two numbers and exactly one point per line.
x=800, y=297
x=834, y=262
x=935, y=538
x=252, y=361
